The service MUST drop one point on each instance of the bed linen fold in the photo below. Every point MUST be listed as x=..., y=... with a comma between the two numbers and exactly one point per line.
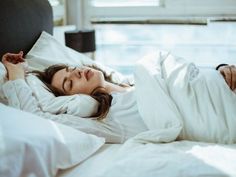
x=178, y=100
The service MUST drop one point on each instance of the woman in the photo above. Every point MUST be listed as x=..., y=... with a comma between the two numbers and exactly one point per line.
x=117, y=117
x=63, y=80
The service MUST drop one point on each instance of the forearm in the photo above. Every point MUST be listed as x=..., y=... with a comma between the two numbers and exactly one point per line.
x=20, y=96
x=18, y=93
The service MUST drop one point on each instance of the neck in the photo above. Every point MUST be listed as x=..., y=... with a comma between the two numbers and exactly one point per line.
x=110, y=87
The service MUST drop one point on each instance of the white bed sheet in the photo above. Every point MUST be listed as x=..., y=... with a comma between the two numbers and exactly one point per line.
x=95, y=164
x=176, y=159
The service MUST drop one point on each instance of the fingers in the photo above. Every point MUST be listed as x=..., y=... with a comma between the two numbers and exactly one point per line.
x=21, y=53
x=6, y=63
x=233, y=77
x=13, y=58
x=226, y=73
x=229, y=74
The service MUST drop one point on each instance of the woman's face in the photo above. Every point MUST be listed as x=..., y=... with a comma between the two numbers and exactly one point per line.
x=78, y=80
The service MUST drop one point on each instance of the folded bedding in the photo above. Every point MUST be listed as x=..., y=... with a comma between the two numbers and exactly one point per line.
x=33, y=146
x=177, y=100
x=95, y=165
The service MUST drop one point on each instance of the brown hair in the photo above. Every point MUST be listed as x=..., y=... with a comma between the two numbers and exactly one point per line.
x=98, y=94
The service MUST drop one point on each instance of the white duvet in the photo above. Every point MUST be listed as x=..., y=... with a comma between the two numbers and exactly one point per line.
x=175, y=159
x=178, y=100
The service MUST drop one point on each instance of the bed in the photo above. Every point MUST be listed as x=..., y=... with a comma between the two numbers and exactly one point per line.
x=70, y=146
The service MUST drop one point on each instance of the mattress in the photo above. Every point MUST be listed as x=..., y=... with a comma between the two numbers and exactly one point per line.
x=176, y=159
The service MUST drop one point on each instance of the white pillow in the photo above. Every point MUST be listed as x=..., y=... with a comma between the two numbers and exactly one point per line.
x=48, y=51
x=33, y=146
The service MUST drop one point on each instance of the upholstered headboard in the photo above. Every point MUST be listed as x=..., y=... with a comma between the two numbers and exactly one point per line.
x=21, y=23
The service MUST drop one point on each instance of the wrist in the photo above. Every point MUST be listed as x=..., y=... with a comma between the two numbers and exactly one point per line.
x=15, y=76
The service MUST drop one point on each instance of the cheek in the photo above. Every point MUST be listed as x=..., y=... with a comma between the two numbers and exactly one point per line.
x=84, y=87
x=98, y=82
x=100, y=78
x=79, y=87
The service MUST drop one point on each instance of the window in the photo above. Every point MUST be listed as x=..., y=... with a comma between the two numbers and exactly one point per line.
x=157, y=10
x=54, y=2
x=58, y=7
x=100, y=10
x=123, y=3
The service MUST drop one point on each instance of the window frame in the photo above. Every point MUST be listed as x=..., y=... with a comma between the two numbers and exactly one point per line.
x=168, y=9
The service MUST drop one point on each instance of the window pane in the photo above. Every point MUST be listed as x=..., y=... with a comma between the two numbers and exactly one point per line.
x=120, y=3
x=54, y=2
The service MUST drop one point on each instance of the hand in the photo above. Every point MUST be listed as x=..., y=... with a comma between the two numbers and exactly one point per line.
x=229, y=74
x=13, y=58
x=15, y=65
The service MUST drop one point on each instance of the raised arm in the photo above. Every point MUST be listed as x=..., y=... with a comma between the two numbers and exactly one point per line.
x=18, y=93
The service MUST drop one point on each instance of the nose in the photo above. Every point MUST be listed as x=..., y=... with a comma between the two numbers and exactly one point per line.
x=76, y=73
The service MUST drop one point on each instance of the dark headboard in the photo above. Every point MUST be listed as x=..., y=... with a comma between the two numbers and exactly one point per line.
x=21, y=23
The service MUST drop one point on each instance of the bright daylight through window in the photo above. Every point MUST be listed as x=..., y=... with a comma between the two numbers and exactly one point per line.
x=117, y=3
